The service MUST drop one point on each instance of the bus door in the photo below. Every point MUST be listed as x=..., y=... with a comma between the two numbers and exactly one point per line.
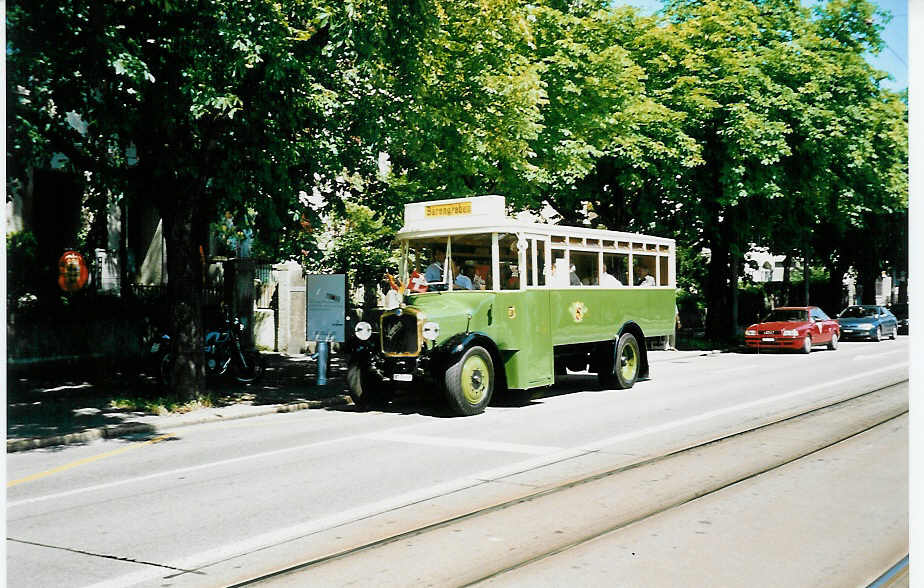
x=539, y=351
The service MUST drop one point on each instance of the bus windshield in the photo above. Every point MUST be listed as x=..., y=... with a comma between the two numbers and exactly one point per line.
x=440, y=263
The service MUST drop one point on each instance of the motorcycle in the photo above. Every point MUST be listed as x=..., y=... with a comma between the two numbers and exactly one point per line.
x=223, y=353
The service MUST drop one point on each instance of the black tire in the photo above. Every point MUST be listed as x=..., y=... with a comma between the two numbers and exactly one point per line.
x=253, y=371
x=621, y=368
x=878, y=336
x=832, y=345
x=807, y=344
x=366, y=390
x=894, y=333
x=469, y=382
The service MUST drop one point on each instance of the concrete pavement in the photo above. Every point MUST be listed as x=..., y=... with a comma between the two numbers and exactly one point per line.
x=288, y=386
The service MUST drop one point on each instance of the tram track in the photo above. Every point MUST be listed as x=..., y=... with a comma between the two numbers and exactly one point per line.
x=579, y=510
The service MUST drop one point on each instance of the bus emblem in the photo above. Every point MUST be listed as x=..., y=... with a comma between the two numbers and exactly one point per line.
x=578, y=311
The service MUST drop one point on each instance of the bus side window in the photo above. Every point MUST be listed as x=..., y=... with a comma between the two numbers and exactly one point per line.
x=615, y=270
x=530, y=246
x=540, y=263
x=558, y=272
x=584, y=268
x=643, y=270
x=510, y=270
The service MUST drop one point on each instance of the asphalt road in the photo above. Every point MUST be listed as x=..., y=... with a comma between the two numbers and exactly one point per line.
x=220, y=503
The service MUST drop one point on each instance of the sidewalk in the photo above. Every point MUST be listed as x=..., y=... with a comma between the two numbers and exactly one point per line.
x=74, y=405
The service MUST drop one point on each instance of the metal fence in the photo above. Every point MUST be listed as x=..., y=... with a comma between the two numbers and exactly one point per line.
x=265, y=282
x=105, y=278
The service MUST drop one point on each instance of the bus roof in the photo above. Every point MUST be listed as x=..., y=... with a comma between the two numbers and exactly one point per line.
x=487, y=214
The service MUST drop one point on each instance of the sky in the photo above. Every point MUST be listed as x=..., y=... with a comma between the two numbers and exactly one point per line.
x=894, y=57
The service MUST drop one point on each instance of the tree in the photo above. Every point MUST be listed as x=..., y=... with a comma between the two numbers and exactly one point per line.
x=607, y=141
x=224, y=104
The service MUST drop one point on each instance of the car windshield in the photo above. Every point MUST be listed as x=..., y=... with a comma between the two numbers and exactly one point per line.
x=857, y=312
x=785, y=315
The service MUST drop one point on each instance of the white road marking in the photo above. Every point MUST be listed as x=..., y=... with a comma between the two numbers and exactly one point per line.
x=463, y=443
x=203, y=559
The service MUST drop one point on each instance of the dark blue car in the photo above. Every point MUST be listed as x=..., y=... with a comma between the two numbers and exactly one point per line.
x=867, y=321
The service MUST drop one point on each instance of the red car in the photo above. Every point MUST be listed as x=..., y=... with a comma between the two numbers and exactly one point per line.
x=794, y=327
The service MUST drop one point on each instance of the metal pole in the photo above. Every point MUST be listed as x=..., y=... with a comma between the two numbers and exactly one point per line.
x=323, y=347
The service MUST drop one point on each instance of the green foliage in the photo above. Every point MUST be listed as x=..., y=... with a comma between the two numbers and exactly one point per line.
x=162, y=405
x=21, y=260
x=722, y=123
x=357, y=244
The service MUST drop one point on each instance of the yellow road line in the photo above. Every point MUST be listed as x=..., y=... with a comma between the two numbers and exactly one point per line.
x=85, y=461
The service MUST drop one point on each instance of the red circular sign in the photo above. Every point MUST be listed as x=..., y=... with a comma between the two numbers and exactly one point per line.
x=72, y=271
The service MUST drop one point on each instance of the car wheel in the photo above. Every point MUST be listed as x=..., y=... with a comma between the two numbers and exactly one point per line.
x=624, y=364
x=877, y=337
x=832, y=345
x=470, y=382
x=366, y=390
x=807, y=344
x=894, y=333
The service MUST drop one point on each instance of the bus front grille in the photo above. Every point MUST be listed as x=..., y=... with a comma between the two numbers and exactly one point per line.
x=399, y=334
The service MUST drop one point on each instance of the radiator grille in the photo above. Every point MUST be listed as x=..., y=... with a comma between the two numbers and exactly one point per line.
x=399, y=333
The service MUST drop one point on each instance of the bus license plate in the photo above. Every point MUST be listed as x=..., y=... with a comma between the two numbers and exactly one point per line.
x=403, y=377
x=767, y=339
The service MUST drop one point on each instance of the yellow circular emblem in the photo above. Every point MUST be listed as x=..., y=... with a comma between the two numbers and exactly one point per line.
x=578, y=311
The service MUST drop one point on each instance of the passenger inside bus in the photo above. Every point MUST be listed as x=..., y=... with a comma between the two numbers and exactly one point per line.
x=608, y=280
x=434, y=271
x=559, y=277
x=462, y=281
x=471, y=272
x=645, y=278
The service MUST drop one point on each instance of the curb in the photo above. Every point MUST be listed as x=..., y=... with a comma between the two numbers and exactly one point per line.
x=113, y=431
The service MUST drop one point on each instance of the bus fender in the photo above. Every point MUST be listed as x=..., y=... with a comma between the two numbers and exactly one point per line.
x=632, y=327
x=452, y=349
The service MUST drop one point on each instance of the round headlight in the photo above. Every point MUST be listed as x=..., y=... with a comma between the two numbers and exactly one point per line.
x=431, y=331
x=363, y=330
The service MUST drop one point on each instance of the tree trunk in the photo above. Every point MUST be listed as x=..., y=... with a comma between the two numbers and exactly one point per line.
x=787, y=278
x=125, y=277
x=806, y=276
x=835, y=292
x=184, y=285
x=718, y=317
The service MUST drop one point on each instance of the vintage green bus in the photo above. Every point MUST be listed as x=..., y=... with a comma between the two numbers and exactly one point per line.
x=486, y=304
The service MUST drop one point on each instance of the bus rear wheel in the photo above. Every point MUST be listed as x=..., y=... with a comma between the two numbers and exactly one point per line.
x=469, y=382
x=621, y=367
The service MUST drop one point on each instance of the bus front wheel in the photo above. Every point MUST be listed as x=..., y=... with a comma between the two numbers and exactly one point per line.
x=366, y=390
x=470, y=382
x=623, y=366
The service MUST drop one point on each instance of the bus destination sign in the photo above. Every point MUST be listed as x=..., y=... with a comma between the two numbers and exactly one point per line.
x=453, y=209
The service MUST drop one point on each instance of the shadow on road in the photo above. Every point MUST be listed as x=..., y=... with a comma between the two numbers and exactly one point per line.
x=58, y=399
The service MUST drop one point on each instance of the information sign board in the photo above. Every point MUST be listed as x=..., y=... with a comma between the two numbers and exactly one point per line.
x=326, y=309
